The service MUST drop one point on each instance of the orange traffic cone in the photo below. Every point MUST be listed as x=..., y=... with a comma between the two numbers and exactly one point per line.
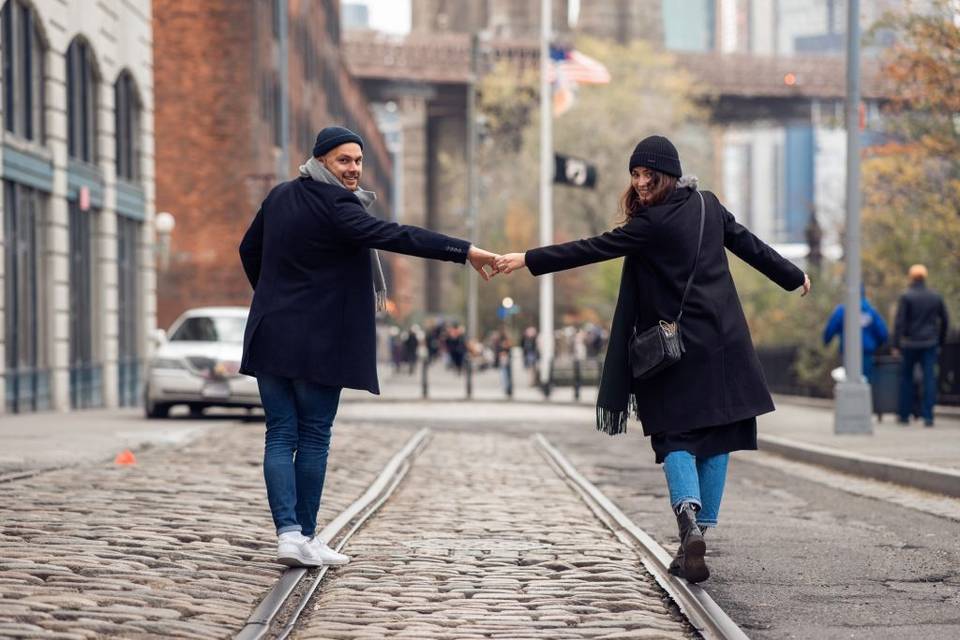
x=125, y=457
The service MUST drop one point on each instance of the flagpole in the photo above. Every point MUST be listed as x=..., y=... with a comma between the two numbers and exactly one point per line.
x=546, y=195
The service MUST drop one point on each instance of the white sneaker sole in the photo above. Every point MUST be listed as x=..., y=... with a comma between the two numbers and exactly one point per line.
x=336, y=563
x=294, y=560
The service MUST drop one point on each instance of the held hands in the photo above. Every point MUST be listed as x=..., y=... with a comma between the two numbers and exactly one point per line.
x=480, y=259
x=806, y=285
x=510, y=262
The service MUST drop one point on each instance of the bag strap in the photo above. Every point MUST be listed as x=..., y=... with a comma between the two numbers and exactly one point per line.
x=696, y=260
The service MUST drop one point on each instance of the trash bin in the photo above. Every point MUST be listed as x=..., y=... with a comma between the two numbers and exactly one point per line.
x=886, y=384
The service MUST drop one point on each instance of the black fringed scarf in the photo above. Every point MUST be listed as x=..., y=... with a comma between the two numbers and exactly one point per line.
x=615, y=398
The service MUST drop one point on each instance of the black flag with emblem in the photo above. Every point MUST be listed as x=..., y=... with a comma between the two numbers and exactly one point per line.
x=574, y=172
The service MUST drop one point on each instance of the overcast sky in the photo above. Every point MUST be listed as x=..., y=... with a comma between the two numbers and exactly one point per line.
x=392, y=16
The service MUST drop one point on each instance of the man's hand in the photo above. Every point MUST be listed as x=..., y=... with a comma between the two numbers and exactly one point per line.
x=806, y=285
x=479, y=259
x=510, y=262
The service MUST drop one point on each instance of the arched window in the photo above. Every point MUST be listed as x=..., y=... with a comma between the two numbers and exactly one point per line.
x=82, y=94
x=127, y=130
x=23, y=55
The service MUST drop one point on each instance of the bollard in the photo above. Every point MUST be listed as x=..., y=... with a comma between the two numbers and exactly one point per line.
x=576, y=380
x=469, y=365
x=424, y=382
x=547, y=385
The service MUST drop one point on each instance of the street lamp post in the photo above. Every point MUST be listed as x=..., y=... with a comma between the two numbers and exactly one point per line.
x=853, y=400
x=164, y=223
x=546, y=194
x=473, y=203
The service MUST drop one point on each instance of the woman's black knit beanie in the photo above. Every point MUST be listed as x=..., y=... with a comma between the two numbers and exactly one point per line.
x=657, y=153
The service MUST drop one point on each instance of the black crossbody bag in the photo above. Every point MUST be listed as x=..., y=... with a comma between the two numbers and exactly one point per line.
x=661, y=345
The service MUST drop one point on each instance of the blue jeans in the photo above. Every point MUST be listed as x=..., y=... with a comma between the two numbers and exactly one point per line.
x=299, y=421
x=868, y=366
x=927, y=358
x=697, y=480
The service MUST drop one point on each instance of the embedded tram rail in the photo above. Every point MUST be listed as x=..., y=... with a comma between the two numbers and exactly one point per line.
x=449, y=546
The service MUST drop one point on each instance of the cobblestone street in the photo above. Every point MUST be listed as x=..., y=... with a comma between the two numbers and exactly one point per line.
x=179, y=545
x=484, y=540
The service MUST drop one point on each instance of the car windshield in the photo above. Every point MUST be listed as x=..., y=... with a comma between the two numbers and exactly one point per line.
x=210, y=329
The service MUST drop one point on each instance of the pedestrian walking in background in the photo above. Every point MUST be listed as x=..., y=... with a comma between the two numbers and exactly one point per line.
x=411, y=345
x=502, y=346
x=918, y=332
x=396, y=348
x=528, y=344
x=456, y=342
x=311, y=329
x=705, y=406
x=873, y=334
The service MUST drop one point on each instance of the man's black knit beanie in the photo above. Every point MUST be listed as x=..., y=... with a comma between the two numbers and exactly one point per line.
x=657, y=153
x=332, y=137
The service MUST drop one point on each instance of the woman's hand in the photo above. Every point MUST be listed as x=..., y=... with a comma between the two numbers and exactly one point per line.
x=510, y=262
x=806, y=285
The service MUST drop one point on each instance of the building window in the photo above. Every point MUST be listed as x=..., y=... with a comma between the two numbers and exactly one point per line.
x=127, y=129
x=23, y=55
x=128, y=299
x=85, y=372
x=27, y=377
x=82, y=89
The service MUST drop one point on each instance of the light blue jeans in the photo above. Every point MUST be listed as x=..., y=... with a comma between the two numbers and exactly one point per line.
x=697, y=480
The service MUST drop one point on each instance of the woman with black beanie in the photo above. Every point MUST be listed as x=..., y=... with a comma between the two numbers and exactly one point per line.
x=676, y=276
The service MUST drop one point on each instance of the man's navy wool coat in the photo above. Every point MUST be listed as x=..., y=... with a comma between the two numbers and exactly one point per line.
x=307, y=256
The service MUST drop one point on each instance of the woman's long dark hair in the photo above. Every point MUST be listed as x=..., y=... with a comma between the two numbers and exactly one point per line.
x=660, y=189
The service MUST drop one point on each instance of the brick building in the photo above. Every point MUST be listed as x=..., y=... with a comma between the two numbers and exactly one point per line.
x=76, y=239
x=242, y=88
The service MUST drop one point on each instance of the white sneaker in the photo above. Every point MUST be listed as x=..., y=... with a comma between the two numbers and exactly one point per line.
x=328, y=555
x=295, y=550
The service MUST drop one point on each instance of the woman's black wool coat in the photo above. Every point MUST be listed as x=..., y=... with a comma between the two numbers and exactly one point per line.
x=307, y=256
x=718, y=380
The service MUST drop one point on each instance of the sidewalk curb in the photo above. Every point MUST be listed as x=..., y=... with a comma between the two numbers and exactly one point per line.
x=939, y=411
x=919, y=476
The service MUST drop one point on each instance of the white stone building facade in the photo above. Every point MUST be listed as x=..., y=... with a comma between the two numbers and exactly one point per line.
x=77, y=265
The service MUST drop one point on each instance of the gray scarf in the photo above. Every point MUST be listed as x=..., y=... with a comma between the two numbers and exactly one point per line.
x=316, y=171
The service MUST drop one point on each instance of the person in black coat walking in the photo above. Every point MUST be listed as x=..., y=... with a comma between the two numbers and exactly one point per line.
x=311, y=327
x=705, y=406
x=919, y=331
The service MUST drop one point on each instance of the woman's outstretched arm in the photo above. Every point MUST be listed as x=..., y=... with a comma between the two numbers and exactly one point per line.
x=630, y=238
x=760, y=255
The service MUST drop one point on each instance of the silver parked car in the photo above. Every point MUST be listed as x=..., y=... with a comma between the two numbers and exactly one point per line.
x=197, y=364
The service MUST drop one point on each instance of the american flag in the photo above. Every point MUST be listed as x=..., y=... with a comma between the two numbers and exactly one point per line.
x=576, y=67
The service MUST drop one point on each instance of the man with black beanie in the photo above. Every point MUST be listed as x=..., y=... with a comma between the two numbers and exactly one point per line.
x=310, y=257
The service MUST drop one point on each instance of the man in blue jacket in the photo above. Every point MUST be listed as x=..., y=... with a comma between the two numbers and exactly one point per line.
x=310, y=257
x=873, y=332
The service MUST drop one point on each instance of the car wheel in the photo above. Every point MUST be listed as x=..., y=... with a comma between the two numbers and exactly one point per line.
x=155, y=410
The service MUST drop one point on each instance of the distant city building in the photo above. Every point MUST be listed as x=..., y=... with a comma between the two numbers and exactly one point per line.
x=354, y=15
x=242, y=88
x=76, y=160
